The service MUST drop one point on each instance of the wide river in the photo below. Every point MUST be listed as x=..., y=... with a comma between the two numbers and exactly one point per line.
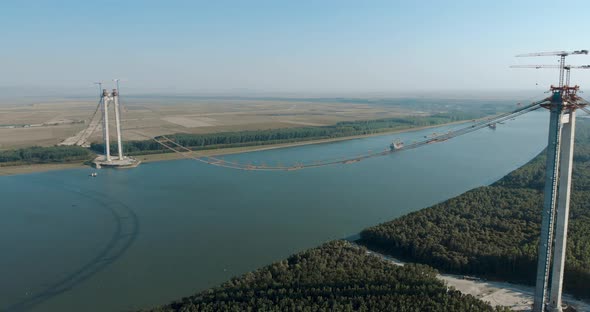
x=131, y=239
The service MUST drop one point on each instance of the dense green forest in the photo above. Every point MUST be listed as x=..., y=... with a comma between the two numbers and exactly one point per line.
x=40, y=155
x=493, y=231
x=337, y=276
x=287, y=135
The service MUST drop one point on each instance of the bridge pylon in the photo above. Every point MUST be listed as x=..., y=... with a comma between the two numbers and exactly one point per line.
x=558, y=176
x=108, y=100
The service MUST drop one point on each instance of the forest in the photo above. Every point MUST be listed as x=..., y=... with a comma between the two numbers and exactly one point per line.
x=41, y=155
x=288, y=135
x=493, y=231
x=337, y=276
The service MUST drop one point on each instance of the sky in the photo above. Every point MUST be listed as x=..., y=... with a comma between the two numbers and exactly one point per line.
x=300, y=47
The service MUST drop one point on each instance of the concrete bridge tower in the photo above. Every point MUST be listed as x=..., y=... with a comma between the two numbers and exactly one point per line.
x=558, y=176
x=108, y=100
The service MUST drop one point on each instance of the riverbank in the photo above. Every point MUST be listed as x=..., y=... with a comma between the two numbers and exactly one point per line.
x=514, y=296
x=336, y=276
x=13, y=170
x=23, y=169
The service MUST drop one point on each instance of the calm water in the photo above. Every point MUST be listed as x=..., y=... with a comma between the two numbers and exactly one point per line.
x=136, y=238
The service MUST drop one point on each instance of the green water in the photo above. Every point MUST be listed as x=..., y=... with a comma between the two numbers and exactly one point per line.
x=129, y=239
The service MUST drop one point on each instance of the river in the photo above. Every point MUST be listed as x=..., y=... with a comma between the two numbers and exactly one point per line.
x=131, y=239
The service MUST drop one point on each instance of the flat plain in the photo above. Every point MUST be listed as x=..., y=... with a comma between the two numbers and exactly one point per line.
x=49, y=121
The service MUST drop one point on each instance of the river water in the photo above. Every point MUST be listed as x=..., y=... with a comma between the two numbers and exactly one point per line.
x=131, y=239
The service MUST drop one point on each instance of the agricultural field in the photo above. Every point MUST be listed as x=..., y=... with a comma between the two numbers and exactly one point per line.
x=47, y=122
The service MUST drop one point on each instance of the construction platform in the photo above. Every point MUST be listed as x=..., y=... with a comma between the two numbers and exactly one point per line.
x=115, y=162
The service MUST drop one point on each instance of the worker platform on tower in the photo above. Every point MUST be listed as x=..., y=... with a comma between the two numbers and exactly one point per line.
x=126, y=162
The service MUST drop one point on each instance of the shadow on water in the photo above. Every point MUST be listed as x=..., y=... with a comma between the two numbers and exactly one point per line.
x=126, y=231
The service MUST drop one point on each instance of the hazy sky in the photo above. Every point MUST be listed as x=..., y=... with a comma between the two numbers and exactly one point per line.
x=288, y=46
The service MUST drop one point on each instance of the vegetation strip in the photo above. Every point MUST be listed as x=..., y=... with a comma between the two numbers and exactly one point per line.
x=45, y=155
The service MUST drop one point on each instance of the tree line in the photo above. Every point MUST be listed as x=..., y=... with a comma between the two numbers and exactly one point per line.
x=337, y=276
x=288, y=135
x=493, y=231
x=37, y=155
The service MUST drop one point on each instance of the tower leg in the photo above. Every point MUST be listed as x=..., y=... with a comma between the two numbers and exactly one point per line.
x=118, y=121
x=105, y=125
x=550, y=195
x=563, y=205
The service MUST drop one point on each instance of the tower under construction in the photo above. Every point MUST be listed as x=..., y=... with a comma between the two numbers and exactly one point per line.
x=562, y=105
x=111, y=99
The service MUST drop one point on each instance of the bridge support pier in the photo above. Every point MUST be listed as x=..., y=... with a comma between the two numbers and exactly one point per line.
x=563, y=205
x=550, y=196
x=106, y=160
x=118, y=122
x=105, y=124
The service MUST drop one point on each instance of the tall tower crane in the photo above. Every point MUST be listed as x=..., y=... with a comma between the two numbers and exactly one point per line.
x=563, y=104
x=567, y=69
x=561, y=54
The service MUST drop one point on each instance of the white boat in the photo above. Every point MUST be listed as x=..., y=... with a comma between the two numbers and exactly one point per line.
x=396, y=145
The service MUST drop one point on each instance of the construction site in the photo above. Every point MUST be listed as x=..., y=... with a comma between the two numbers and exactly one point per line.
x=562, y=103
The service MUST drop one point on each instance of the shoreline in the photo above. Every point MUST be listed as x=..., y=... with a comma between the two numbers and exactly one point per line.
x=149, y=158
x=256, y=148
x=517, y=297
